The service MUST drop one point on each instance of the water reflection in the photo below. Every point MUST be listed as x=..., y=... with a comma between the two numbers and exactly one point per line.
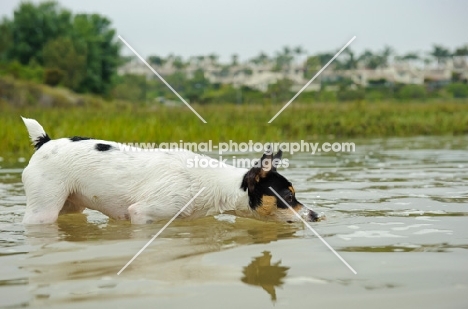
x=261, y=272
x=398, y=213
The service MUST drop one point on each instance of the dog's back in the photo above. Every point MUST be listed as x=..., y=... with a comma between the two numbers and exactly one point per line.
x=129, y=183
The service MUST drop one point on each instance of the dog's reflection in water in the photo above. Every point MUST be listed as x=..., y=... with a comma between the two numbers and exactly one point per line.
x=262, y=272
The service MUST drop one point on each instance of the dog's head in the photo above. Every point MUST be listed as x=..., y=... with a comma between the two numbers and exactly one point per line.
x=271, y=195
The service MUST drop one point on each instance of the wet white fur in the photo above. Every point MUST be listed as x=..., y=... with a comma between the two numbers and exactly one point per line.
x=142, y=186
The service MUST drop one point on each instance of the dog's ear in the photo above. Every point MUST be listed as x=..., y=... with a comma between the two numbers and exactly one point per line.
x=277, y=159
x=265, y=165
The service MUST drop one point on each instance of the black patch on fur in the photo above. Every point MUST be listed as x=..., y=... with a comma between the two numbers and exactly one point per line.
x=79, y=138
x=102, y=147
x=257, y=190
x=41, y=140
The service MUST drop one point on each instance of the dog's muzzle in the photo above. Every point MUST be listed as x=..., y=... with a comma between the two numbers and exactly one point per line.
x=313, y=216
x=310, y=215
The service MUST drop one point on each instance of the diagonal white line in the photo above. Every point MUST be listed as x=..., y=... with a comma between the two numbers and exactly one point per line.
x=316, y=234
x=161, y=78
x=161, y=230
x=310, y=81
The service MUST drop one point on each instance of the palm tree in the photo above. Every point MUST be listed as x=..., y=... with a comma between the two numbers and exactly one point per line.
x=199, y=59
x=461, y=51
x=156, y=60
x=376, y=60
x=178, y=62
x=367, y=58
x=262, y=57
x=349, y=63
x=298, y=51
x=427, y=61
x=386, y=53
x=234, y=59
x=283, y=59
x=213, y=58
x=311, y=65
x=440, y=53
x=408, y=57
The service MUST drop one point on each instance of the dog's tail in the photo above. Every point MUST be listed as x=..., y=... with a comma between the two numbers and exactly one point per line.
x=36, y=132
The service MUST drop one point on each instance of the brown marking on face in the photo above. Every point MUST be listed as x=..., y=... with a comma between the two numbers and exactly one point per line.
x=288, y=214
x=268, y=206
x=297, y=207
x=292, y=189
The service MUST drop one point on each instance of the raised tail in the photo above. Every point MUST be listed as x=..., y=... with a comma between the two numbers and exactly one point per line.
x=36, y=132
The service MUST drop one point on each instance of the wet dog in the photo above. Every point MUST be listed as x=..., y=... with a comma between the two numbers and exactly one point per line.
x=68, y=175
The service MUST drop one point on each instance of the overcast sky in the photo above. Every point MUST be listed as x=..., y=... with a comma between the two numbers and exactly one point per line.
x=247, y=27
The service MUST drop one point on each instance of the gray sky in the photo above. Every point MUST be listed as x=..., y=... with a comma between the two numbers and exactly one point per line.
x=246, y=27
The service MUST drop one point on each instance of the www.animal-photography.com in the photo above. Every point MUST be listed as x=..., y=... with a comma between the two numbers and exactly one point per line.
x=213, y=154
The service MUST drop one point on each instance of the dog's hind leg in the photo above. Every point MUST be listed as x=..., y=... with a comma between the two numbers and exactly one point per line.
x=70, y=207
x=44, y=200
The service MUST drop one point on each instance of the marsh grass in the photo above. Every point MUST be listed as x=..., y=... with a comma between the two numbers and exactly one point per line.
x=156, y=124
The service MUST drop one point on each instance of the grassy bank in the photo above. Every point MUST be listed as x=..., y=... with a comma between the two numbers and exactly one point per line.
x=64, y=113
x=125, y=123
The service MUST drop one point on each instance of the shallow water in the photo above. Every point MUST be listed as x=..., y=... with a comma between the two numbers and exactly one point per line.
x=396, y=211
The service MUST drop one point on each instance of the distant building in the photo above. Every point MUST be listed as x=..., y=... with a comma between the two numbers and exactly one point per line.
x=260, y=76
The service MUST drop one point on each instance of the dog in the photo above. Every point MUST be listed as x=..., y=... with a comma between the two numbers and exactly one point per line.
x=68, y=175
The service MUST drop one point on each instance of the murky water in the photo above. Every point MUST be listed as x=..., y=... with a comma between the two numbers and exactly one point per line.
x=396, y=212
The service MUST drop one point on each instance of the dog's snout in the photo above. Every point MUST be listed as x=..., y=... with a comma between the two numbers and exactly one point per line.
x=313, y=216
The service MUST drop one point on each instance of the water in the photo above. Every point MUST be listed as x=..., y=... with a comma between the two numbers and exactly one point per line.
x=396, y=211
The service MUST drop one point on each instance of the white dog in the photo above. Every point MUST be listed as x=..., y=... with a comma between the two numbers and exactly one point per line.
x=70, y=174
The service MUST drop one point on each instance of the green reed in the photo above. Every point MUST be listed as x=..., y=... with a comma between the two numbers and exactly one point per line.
x=156, y=124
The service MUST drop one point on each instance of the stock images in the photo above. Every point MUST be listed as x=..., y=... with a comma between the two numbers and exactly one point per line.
x=266, y=154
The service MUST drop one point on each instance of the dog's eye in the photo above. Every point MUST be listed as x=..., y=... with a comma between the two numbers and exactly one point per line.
x=289, y=197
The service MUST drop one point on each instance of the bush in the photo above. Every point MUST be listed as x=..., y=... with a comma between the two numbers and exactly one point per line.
x=351, y=95
x=408, y=92
x=31, y=72
x=458, y=90
x=53, y=77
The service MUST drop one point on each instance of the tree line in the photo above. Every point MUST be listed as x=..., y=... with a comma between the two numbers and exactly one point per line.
x=49, y=44
x=78, y=51
x=349, y=59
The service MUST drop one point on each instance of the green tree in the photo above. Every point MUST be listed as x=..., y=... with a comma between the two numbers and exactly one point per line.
x=312, y=65
x=6, y=39
x=198, y=84
x=130, y=88
x=408, y=92
x=92, y=32
x=38, y=29
x=178, y=62
x=324, y=58
x=458, y=90
x=280, y=91
x=33, y=26
x=62, y=55
x=156, y=60
x=461, y=51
